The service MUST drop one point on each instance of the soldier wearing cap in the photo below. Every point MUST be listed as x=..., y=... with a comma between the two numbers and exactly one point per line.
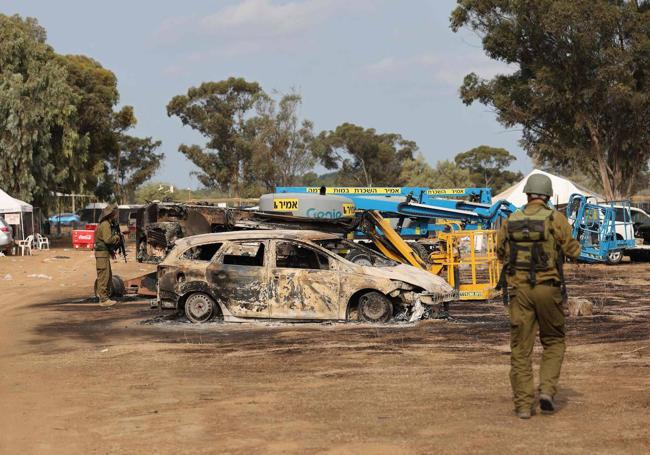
x=105, y=242
x=532, y=244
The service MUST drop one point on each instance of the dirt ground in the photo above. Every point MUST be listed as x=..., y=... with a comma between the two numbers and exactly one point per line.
x=75, y=378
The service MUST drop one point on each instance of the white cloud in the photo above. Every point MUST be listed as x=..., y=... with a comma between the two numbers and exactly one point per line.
x=443, y=68
x=172, y=30
x=174, y=70
x=264, y=18
x=250, y=26
x=384, y=66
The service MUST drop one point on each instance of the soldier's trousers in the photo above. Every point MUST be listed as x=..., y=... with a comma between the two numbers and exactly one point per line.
x=530, y=308
x=104, y=276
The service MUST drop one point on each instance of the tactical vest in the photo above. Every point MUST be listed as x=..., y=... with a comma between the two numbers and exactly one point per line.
x=532, y=242
x=100, y=244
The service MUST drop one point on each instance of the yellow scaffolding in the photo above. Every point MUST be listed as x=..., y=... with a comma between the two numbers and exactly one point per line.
x=468, y=257
x=470, y=260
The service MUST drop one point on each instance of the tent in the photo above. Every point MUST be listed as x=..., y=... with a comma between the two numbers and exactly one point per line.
x=562, y=190
x=11, y=206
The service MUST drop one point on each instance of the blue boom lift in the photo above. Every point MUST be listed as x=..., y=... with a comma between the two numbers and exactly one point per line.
x=426, y=209
x=595, y=227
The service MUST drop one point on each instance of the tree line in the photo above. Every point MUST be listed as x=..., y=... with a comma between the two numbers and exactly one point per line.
x=255, y=142
x=579, y=88
x=62, y=131
x=60, y=127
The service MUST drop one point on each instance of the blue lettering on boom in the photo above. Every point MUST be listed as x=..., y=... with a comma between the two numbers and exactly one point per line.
x=313, y=213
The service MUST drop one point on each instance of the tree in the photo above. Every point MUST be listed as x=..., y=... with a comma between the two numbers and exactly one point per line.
x=96, y=91
x=219, y=110
x=128, y=161
x=281, y=145
x=580, y=88
x=362, y=156
x=487, y=167
x=446, y=174
x=40, y=149
x=58, y=130
x=138, y=163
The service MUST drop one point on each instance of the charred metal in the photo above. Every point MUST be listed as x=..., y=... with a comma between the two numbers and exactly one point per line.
x=160, y=224
x=290, y=275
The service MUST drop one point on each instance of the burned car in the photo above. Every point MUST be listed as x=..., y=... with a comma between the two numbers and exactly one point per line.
x=291, y=275
x=160, y=224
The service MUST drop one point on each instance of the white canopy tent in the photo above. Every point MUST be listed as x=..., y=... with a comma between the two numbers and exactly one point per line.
x=13, y=206
x=562, y=190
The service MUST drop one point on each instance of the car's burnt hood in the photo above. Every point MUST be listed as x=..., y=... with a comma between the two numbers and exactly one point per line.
x=411, y=275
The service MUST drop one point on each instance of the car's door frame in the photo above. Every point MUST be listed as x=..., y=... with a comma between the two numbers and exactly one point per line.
x=230, y=307
x=281, y=308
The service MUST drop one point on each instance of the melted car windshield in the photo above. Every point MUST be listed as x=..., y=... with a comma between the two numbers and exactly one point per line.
x=356, y=253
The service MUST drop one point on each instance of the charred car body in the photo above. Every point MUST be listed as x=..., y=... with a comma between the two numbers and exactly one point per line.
x=294, y=275
x=160, y=224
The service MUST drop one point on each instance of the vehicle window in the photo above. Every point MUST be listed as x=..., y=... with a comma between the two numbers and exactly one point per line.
x=640, y=217
x=295, y=256
x=201, y=252
x=620, y=214
x=244, y=253
x=356, y=253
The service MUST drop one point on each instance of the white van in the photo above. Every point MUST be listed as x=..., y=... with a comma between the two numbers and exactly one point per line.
x=637, y=217
x=624, y=225
x=639, y=231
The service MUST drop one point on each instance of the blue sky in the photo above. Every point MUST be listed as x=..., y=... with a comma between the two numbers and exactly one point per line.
x=386, y=64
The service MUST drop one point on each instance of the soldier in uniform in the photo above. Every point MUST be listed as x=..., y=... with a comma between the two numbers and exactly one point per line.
x=532, y=244
x=105, y=243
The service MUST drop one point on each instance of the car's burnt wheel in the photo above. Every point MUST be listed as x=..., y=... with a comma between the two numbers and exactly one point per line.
x=359, y=258
x=115, y=289
x=199, y=307
x=375, y=307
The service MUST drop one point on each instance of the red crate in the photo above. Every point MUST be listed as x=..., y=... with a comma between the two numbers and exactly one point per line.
x=91, y=226
x=83, y=238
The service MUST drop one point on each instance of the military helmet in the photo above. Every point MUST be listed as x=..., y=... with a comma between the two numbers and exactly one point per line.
x=110, y=208
x=539, y=184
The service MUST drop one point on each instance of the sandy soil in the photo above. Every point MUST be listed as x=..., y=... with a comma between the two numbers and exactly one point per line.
x=75, y=378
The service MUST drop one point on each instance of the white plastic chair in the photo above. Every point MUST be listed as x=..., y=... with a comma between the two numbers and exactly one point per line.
x=42, y=242
x=25, y=245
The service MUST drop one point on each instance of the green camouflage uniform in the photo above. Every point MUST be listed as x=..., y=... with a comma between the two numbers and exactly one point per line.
x=104, y=242
x=536, y=306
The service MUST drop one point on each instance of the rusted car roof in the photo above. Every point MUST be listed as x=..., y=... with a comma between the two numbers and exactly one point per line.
x=256, y=234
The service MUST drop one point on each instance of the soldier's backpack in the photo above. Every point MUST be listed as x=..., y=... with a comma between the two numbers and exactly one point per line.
x=532, y=243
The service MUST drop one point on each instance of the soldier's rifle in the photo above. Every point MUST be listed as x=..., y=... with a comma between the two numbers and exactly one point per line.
x=120, y=248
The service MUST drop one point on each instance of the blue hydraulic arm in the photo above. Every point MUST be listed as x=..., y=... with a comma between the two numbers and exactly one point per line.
x=466, y=212
x=451, y=209
x=426, y=218
x=420, y=206
x=420, y=210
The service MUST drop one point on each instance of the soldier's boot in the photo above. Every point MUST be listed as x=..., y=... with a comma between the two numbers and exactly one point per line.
x=546, y=403
x=524, y=414
x=107, y=303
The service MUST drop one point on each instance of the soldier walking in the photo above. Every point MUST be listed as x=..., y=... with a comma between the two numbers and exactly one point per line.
x=532, y=244
x=105, y=242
